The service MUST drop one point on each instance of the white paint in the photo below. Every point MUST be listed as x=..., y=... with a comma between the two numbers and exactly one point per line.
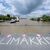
x=8, y=35
x=27, y=40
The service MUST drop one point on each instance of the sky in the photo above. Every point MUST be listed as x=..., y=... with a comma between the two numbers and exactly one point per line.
x=25, y=8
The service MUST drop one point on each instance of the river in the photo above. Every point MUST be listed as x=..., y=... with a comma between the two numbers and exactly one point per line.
x=25, y=26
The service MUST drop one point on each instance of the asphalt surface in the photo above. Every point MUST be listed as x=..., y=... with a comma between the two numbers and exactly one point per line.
x=13, y=46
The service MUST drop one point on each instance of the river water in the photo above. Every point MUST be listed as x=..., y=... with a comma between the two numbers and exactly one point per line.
x=25, y=26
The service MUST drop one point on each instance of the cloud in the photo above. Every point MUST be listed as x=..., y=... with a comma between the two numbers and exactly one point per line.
x=25, y=7
x=43, y=9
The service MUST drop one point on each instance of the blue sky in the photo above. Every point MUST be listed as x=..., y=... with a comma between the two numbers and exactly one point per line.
x=25, y=7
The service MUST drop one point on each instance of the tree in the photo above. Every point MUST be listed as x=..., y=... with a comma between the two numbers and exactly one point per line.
x=46, y=18
x=8, y=15
x=32, y=19
x=38, y=19
x=14, y=17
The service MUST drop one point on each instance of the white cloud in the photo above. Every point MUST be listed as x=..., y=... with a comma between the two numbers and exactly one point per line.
x=1, y=6
x=18, y=7
x=43, y=9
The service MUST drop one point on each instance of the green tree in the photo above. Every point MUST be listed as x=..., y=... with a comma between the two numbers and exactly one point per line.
x=32, y=19
x=46, y=18
x=8, y=15
x=38, y=19
x=14, y=17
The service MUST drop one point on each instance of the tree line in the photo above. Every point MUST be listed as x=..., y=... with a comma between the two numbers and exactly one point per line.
x=6, y=17
x=44, y=18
